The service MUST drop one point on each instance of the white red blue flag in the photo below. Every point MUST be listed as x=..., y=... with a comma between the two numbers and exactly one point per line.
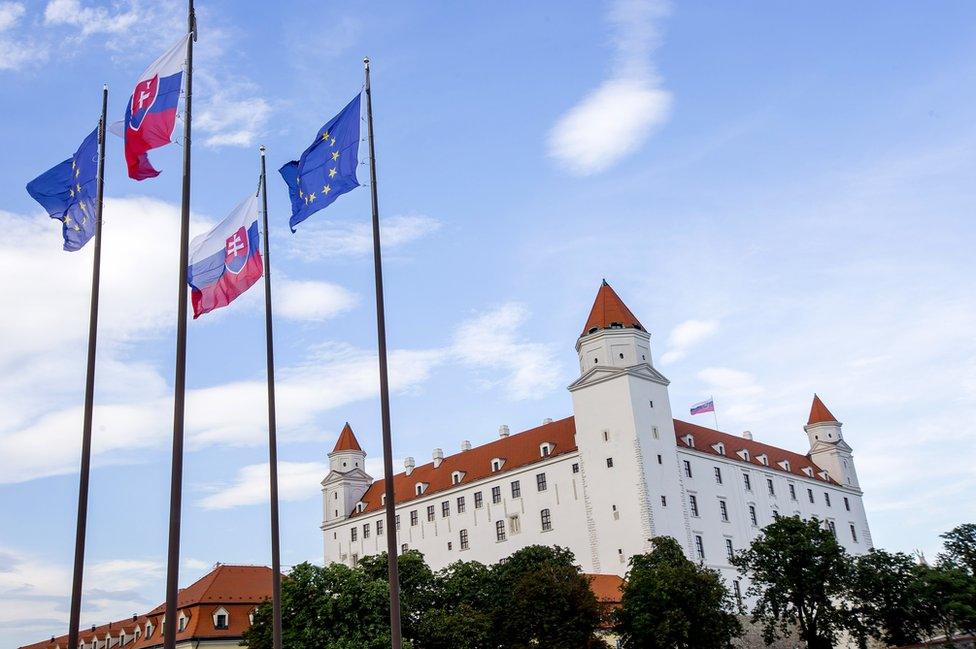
x=150, y=115
x=226, y=261
x=704, y=406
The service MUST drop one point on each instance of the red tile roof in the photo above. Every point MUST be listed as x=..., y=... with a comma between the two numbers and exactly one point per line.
x=521, y=449
x=608, y=309
x=226, y=584
x=706, y=438
x=819, y=412
x=516, y=450
x=606, y=588
x=347, y=440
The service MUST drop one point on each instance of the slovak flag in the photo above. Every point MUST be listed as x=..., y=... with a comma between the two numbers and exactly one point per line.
x=226, y=261
x=150, y=115
x=704, y=406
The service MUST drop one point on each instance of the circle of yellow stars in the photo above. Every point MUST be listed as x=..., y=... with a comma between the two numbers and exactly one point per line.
x=327, y=188
x=82, y=204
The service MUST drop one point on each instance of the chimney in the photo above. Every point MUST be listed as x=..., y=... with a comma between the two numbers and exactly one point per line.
x=503, y=431
x=747, y=434
x=408, y=465
x=438, y=456
x=547, y=420
x=465, y=446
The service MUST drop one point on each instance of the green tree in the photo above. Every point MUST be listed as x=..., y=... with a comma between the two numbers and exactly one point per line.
x=884, y=599
x=335, y=607
x=460, y=615
x=671, y=602
x=948, y=594
x=960, y=547
x=544, y=600
x=417, y=586
x=798, y=574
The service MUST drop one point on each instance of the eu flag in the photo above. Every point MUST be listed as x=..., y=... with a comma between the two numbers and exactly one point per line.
x=327, y=169
x=67, y=192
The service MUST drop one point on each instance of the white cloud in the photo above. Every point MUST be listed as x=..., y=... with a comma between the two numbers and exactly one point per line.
x=490, y=341
x=90, y=20
x=327, y=239
x=232, y=114
x=16, y=51
x=616, y=118
x=296, y=481
x=687, y=335
x=311, y=300
x=10, y=14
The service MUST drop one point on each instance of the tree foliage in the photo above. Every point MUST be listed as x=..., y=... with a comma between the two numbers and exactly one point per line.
x=960, y=547
x=671, y=602
x=799, y=573
x=884, y=599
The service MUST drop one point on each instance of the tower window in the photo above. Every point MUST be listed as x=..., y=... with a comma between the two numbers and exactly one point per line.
x=752, y=516
x=747, y=481
x=724, y=509
x=699, y=546
x=693, y=504
x=792, y=491
x=654, y=433
x=718, y=475
x=664, y=501
x=609, y=462
x=606, y=436
x=769, y=485
x=621, y=356
x=810, y=495
x=827, y=498
x=728, y=549
x=853, y=533
x=575, y=467
x=847, y=504
x=687, y=468
x=659, y=459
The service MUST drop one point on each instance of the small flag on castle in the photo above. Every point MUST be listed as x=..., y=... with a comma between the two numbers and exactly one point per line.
x=703, y=407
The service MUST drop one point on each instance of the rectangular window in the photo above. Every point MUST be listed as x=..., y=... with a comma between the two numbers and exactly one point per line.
x=403, y=548
x=354, y=532
x=514, y=524
x=659, y=460
x=445, y=509
x=769, y=485
x=496, y=495
x=833, y=528
x=478, y=500
x=547, y=521
x=460, y=504
x=728, y=548
x=654, y=432
x=687, y=468
x=540, y=481
x=516, y=489
x=738, y=593
x=450, y=546
x=827, y=498
x=609, y=462
x=718, y=475
x=379, y=527
x=693, y=503
x=430, y=513
x=847, y=504
x=413, y=518
x=575, y=467
x=499, y=530
x=464, y=539
x=792, y=491
x=699, y=546
x=853, y=533
x=398, y=521
x=724, y=509
x=752, y=515
x=810, y=495
x=747, y=481
x=664, y=501
x=775, y=514
x=366, y=530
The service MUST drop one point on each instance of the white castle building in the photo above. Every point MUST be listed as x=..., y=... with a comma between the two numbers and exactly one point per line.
x=603, y=482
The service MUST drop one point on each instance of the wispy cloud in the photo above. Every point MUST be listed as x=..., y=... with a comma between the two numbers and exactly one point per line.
x=328, y=239
x=16, y=50
x=296, y=481
x=616, y=118
x=234, y=114
x=686, y=336
x=90, y=20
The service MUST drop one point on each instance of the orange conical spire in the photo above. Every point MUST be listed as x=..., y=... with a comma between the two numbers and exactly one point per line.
x=609, y=311
x=819, y=412
x=347, y=440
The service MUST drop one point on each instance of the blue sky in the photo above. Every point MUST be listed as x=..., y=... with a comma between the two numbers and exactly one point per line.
x=782, y=193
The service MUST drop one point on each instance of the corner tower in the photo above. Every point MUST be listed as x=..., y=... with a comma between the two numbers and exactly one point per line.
x=827, y=446
x=625, y=435
x=347, y=480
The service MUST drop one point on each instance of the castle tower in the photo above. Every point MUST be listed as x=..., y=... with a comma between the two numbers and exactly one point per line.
x=827, y=446
x=626, y=440
x=347, y=480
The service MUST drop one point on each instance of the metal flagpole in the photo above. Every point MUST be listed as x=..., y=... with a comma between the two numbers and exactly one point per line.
x=179, y=383
x=391, y=538
x=75, y=616
x=714, y=411
x=272, y=425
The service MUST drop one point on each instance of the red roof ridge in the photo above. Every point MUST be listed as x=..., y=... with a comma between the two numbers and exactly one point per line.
x=819, y=412
x=347, y=440
x=609, y=311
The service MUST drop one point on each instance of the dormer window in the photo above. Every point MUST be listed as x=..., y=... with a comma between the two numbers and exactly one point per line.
x=420, y=488
x=383, y=500
x=221, y=618
x=808, y=472
x=497, y=464
x=785, y=465
x=149, y=629
x=457, y=477
x=744, y=454
x=824, y=476
x=545, y=449
x=689, y=441
x=763, y=459
x=181, y=622
x=719, y=448
x=360, y=506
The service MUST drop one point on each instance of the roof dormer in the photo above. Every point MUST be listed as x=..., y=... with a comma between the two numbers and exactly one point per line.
x=784, y=464
x=808, y=472
x=497, y=463
x=457, y=477
x=545, y=449
x=420, y=488
x=689, y=441
x=221, y=618
x=743, y=453
x=719, y=448
x=763, y=459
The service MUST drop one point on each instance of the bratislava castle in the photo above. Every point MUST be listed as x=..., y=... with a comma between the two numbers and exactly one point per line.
x=602, y=482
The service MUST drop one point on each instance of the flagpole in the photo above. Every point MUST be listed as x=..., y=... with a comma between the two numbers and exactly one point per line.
x=179, y=383
x=714, y=410
x=74, y=620
x=391, y=538
x=272, y=423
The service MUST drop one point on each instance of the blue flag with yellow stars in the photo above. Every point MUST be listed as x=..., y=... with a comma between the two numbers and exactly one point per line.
x=67, y=192
x=327, y=169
